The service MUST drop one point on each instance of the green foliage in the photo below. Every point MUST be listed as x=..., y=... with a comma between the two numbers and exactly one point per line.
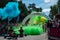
x=24, y=11
x=58, y=6
x=39, y=9
x=58, y=3
x=4, y=2
x=54, y=11
x=34, y=8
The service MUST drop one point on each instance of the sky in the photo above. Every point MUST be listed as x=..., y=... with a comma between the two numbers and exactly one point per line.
x=40, y=3
x=44, y=4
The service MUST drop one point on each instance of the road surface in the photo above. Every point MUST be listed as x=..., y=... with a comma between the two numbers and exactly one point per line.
x=36, y=37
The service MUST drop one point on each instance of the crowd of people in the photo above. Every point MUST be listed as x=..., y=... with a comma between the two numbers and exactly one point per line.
x=53, y=23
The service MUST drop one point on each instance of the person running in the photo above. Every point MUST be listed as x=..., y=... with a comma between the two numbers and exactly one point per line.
x=21, y=32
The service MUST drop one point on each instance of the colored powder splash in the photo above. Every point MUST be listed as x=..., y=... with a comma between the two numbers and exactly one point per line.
x=37, y=19
x=10, y=11
x=34, y=28
x=30, y=29
x=3, y=15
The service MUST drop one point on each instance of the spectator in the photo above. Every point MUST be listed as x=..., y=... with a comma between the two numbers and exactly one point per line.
x=49, y=24
x=0, y=29
x=56, y=23
x=10, y=32
x=45, y=27
x=59, y=22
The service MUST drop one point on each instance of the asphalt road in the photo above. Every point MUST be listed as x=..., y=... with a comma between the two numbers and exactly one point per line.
x=35, y=37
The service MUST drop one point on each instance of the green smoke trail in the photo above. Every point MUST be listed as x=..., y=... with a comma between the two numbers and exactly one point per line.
x=34, y=28
x=30, y=29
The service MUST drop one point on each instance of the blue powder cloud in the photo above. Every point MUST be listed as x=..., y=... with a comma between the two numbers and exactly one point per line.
x=9, y=11
x=3, y=15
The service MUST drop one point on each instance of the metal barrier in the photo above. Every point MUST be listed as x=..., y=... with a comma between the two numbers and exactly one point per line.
x=54, y=32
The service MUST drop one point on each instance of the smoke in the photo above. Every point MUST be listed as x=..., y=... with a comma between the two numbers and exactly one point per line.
x=10, y=11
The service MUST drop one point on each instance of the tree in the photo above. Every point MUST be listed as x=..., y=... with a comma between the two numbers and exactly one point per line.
x=58, y=6
x=24, y=10
x=39, y=9
x=4, y=2
x=54, y=11
x=33, y=7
